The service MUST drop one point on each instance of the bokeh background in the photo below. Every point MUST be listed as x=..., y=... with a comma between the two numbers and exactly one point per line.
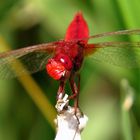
x=27, y=104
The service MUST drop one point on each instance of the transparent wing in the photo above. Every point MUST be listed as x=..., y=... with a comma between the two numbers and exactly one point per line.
x=121, y=32
x=26, y=60
x=124, y=54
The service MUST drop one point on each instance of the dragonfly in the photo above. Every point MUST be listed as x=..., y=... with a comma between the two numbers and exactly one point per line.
x=63, y=59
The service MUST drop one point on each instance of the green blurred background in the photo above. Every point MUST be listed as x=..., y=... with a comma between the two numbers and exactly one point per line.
x=27, y=115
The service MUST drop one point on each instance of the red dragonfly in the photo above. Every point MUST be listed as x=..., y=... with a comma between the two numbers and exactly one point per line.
x=64, y=58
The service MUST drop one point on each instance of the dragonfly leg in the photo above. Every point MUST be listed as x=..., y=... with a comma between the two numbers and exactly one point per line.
x=78, y=88
x=75, y=90
x=61, y=90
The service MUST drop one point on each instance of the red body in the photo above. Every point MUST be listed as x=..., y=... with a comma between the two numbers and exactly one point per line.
x=69, y=54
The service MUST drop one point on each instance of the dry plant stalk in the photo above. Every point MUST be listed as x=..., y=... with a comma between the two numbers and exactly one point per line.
x=69, y=124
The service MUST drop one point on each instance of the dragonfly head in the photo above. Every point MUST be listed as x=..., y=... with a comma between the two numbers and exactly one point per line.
x=59, y=67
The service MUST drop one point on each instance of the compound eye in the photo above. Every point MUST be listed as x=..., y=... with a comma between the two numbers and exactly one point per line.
x=55, y=69
x=62, y=60
x=66, y=61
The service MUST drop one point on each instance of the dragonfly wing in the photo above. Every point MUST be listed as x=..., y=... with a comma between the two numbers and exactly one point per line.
x=121, y=32
x=124, y=54
x=26, y=60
